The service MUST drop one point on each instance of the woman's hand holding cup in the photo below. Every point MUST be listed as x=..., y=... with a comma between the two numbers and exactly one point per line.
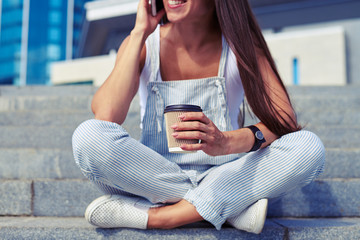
x=196, y=125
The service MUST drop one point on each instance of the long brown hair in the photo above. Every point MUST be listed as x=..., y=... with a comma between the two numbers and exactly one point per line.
x=242, y=32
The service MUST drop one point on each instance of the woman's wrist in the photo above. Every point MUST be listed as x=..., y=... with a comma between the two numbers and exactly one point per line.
x=238, y=141
x=139, y=35
x=227, y=143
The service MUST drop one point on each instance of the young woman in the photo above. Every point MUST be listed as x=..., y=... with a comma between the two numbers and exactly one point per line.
x=211, y=53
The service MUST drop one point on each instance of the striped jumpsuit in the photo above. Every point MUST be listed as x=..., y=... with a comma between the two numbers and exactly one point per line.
x=219, y=187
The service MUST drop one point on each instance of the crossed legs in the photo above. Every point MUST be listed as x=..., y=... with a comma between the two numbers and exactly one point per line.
x=109, y=157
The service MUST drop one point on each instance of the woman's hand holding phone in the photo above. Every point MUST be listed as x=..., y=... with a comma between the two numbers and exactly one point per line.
x=145, y=22
x=156, y=6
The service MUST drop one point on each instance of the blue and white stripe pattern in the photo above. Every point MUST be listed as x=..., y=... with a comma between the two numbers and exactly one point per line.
x=219, y=187
x=290, y=162
x=118, y=164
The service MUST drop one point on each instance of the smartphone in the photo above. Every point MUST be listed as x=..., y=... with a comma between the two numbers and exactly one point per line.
x=156, y=6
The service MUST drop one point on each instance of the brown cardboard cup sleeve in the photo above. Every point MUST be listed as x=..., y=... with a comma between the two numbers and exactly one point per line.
x=172, y=113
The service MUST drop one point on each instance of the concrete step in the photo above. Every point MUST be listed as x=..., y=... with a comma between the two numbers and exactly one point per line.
x=40, y=103
x=79, y=98
x=329, y=118
x=55, y=137
x=322, y=99
x=46, y=197
x=36, y=137
x=322, y=198
x=68, y=106
x=333, y=135
x=71, y=90
x=40, y=90
x=275, y=229
x=69, y=198
x=44, y=118
x=50, y=136
x=314, y=102
x=54, y=163
x=42, y=163
x=54, y=99
x=338, y=137
x=324, y=91
x=342, y=163
x=60, y=119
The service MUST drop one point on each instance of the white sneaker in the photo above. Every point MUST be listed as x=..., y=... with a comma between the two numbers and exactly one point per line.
x=251, y=219
x=114, y=211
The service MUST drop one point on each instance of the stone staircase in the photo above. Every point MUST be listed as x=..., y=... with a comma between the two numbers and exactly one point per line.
x=44, y=195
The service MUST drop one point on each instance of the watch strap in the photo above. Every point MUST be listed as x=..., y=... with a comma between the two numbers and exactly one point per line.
x=258, y=141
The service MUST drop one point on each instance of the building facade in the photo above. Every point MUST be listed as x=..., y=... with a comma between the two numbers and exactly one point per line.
x=312, y=42
x=35, y=33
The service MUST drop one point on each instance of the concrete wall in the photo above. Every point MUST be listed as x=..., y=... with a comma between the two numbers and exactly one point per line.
x=310, y=57
x=91, y=69
x=351, y=30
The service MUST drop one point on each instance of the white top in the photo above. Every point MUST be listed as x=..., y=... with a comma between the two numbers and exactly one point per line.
x=234, y=88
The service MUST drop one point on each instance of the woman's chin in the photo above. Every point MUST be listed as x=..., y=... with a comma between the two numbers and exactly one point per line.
x=175, y=18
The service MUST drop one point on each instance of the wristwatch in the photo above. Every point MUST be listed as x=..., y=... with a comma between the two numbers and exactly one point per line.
x=259, y=138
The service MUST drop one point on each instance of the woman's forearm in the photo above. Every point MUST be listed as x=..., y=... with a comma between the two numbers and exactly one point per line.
x=112, y=101
x=242, y=140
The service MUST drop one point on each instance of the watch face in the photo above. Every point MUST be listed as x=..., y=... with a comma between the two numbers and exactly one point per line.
x=259, y=135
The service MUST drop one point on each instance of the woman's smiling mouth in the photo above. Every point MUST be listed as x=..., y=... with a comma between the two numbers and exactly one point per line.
x=176, y=3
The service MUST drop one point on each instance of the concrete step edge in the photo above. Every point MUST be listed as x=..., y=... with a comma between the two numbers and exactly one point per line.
x=275, y=228
x=90, y=89
x=57, y=163
x=41, y=197
x=73, y=90
x=52, y=136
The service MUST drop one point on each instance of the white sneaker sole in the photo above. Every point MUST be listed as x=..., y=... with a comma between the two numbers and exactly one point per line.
x=260, y=215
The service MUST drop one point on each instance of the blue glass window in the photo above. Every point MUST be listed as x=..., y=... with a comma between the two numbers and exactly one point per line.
x=54, y=35
x=10, y=34
x=48, y=68
x=54, y=52
x=55, y=3
x=13, y=16
x=10, y=52
x=8, y=69
x=12, y=3
x=55, y=17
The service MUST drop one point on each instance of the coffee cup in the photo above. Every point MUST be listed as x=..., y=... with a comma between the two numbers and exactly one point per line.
x=172, y=113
